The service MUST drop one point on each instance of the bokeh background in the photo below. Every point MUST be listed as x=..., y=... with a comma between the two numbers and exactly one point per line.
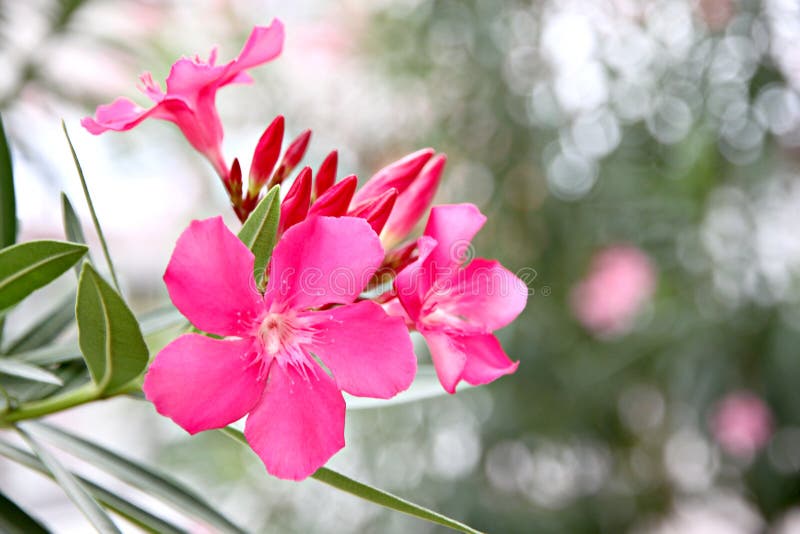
x=639, y=158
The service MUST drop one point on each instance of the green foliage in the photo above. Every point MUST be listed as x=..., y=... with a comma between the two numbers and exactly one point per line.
x=260, y=230
x=8, y=209
x=26, y=267
x=108, y=333
x=15, y=520
x=28, y=371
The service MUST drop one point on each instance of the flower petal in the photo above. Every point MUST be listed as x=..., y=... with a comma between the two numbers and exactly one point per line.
x=299, y=423
x=484, y=297
x=323, y=260
x=210, y=279
x=453, y=226
x=413, y=282
x=486, y=360
x=369, y=353
x=203, y=383
x=264, y=44
x=397, y=175
x=122, y=114
x=448, y=357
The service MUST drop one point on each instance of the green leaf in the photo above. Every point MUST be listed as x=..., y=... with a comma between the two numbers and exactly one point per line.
x=137, y=475
x=46, y=329
x=72, y=226
x=374, y=495
x=260, y=230
x=28, y=371
x=92, y=212
x=108, y=333
x=426, y=385
x=26, y=267
x=71, y=486
x=15, y=520
x=128, y=510
x=8, y=205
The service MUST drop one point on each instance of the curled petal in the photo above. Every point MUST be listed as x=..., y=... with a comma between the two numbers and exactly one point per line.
x=299, y=423
x=203, y=383
x=323, y=260
x=210, y=279
x=122, y=114
x=449, y=358
x=369, y=353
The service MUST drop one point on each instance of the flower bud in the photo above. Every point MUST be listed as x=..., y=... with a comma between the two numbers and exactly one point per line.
x=266, y=155
x=326, y=175
x=335, y=201
x=294, y=207
x=397, y=175
x=293, y=155
x=376, y=210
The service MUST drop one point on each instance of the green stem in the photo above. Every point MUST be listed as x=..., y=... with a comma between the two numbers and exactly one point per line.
x=30, y=410
x=96, y=222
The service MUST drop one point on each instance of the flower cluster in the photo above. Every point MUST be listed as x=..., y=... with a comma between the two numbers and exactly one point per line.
x=343, y=287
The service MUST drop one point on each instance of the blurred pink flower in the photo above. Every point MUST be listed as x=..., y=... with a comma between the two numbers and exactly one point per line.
x=266, y=366
x=621, y=278
x=189, y=101
x=741, y=423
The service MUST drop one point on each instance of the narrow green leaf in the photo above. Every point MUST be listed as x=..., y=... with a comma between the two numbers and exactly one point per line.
x=137, y=475
x=371, y=494
x=46, y=329
x=72, y=224
x=8, y=205
x=93, y=213
x=28, y=371
x=260, y=230
x=71, y=486
x=15, y=520
x=26, y=267
x=126, y=509
x=108, y=333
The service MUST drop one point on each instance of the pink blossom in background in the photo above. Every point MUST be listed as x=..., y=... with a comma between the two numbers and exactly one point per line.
x=741, y=424
x=621, y=279
x=189, y=101
x=263, y=367
x=457, y=307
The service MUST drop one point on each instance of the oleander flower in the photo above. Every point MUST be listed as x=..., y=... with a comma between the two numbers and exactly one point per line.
x=457, y=307
x=189, y=100
x=264, y=366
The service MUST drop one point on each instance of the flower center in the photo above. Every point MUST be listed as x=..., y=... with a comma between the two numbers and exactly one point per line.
x=282, y=336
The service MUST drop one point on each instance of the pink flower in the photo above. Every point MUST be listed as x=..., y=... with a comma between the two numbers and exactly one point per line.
x=621, y=278
x=263, y=366
x=457, y=307
x=189, y=102
x=742, y=424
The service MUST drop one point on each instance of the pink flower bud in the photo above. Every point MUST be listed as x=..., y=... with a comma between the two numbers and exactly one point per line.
x=294, y=207
x=412, y=203
x=326, y=175
x=266, y=155
x=397, y=175
x=293, y=155
x=376, y=210
x=334, y=201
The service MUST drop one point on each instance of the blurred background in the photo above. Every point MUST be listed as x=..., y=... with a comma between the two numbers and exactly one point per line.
x=641, y=158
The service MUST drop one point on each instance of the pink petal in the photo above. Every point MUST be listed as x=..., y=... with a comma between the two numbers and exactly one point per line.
x=264, y=44
x=210, y=279
x=376, y=210
x=453, y=226
x=484, y=297
x=412, y=204
x=448, y=357
x=299, y=423
x=323, y=260
x=122, y=114
x=203, y=383
x=397, y=175
x=369, y=353
x=486, y=360
x=412, y=283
